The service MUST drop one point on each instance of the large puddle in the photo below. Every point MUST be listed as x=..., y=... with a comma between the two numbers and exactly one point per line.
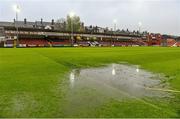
x=94, y=86
x=129, y=80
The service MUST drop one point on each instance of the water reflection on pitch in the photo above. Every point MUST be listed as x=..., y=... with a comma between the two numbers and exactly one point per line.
x=128, y=79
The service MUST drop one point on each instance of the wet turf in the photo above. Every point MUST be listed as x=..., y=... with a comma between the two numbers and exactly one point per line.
x=35, y=82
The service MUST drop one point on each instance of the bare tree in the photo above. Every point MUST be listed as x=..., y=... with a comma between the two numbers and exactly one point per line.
x=60, y=24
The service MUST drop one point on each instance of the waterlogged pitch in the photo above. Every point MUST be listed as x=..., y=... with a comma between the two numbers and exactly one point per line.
x=90, y=82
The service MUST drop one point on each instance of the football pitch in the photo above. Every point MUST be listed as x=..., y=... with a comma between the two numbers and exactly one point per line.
x=34, y=82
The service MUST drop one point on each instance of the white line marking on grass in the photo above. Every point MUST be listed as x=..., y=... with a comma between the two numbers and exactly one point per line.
x=164, y=90
x=138, y=99
x=128, y=95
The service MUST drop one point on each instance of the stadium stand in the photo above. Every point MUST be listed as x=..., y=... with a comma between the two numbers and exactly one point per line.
x=83, y=43
x=178, y=44
x=33, y=43
x=105, y=43
x=9, y=43
x=57, y=42
x=171, y=42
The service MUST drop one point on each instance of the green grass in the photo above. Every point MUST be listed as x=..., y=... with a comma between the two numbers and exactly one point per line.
x=33, y=82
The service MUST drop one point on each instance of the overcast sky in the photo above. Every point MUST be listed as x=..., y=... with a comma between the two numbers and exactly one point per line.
x=161, y=16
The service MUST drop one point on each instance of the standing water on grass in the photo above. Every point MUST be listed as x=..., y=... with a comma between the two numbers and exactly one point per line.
x=94, y=86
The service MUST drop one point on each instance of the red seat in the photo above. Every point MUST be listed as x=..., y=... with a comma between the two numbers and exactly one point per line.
x=34, y=42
